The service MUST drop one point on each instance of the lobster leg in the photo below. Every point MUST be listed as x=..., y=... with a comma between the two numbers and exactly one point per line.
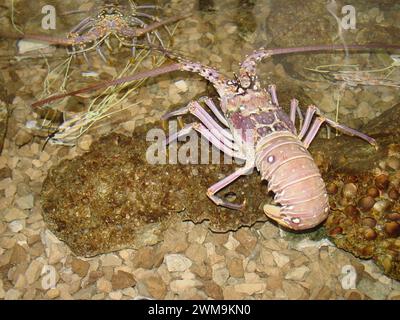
x=218, y=143
x=274, y=96
x=307, y=121
x=195, y=108
x=214, y=109
x=313, y=131
x=225, y=182
x=320, y=120
x=294, y=108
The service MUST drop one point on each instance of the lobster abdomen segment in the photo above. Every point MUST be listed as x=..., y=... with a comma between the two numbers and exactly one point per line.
x=295, y=179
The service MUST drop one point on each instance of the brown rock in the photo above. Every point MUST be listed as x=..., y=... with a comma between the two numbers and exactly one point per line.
x=80, y=267
x=19, y=255
x=155, y=286
x=235, y=267
x=94, y=276
x=247, y=241
x=202, y=270
x=22, y=138
x=144, y=258
x=196, y=252
x=392, y=229
x=213, y=290
x=382, y=181
x=122, y=280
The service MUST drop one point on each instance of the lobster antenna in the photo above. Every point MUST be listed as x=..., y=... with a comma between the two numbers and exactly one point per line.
x=257, y=55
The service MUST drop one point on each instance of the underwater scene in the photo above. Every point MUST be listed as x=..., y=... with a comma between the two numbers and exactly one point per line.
x=200, y=150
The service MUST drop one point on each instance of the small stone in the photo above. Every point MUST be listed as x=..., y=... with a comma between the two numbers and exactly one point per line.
x=196, y=252
x=392, y=229
x=373, y=192
x=16, y=225
x=115, y=295
x=220, y=274
x=181, y=85
x=349, y=190
x=25, y=202
x=198, y=234
x=280, y=259
x=80, y=267
x=155, y=286
x=53, y=293
x=232, y=243
x=18, y=255
x=122, y=280
x=366, y=203
x=177, y=262
x=14, y=214
x=213, y=290
x=57, y=252
x=104, y=285
x=180, y=286
x=235, y=267
x=382, y=181
x=94, y=276
x=33, y=272
x=247, y=241
x=110, y=260
x=129, y=125
x=250, y=288
x=293, y=290
x=144, y=258
x=13, y=294
x=297, y=274
x=22, y=138
x=85, y=142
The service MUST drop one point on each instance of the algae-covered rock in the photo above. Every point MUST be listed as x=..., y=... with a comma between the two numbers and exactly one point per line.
x=111, y=197
x=364, y=186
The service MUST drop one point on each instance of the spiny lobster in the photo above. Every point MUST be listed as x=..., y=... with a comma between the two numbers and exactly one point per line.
x=110, y=20
x=273, y=146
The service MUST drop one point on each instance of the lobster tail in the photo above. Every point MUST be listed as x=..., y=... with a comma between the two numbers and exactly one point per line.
x=295, y=179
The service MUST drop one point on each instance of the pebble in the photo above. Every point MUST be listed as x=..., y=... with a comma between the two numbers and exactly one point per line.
x=155, y=286
x=232, y=243
x=220, y=274
x=177, y=262
x=33, y=272
x=297, y=274
x=181, y=85
x=183, y=285
x=122, y=280
x=16, y=225
x=144, y=258
x=115, y=295
x=250, y=288
x=80, y=267
x=110, y=260
x=57, y=252
x=53, y=293
x=104, y=285
x=280, y=259
x=235, y=267
x=85, y=142
x=14, y=214
x=13, y=294
x=22, y=138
